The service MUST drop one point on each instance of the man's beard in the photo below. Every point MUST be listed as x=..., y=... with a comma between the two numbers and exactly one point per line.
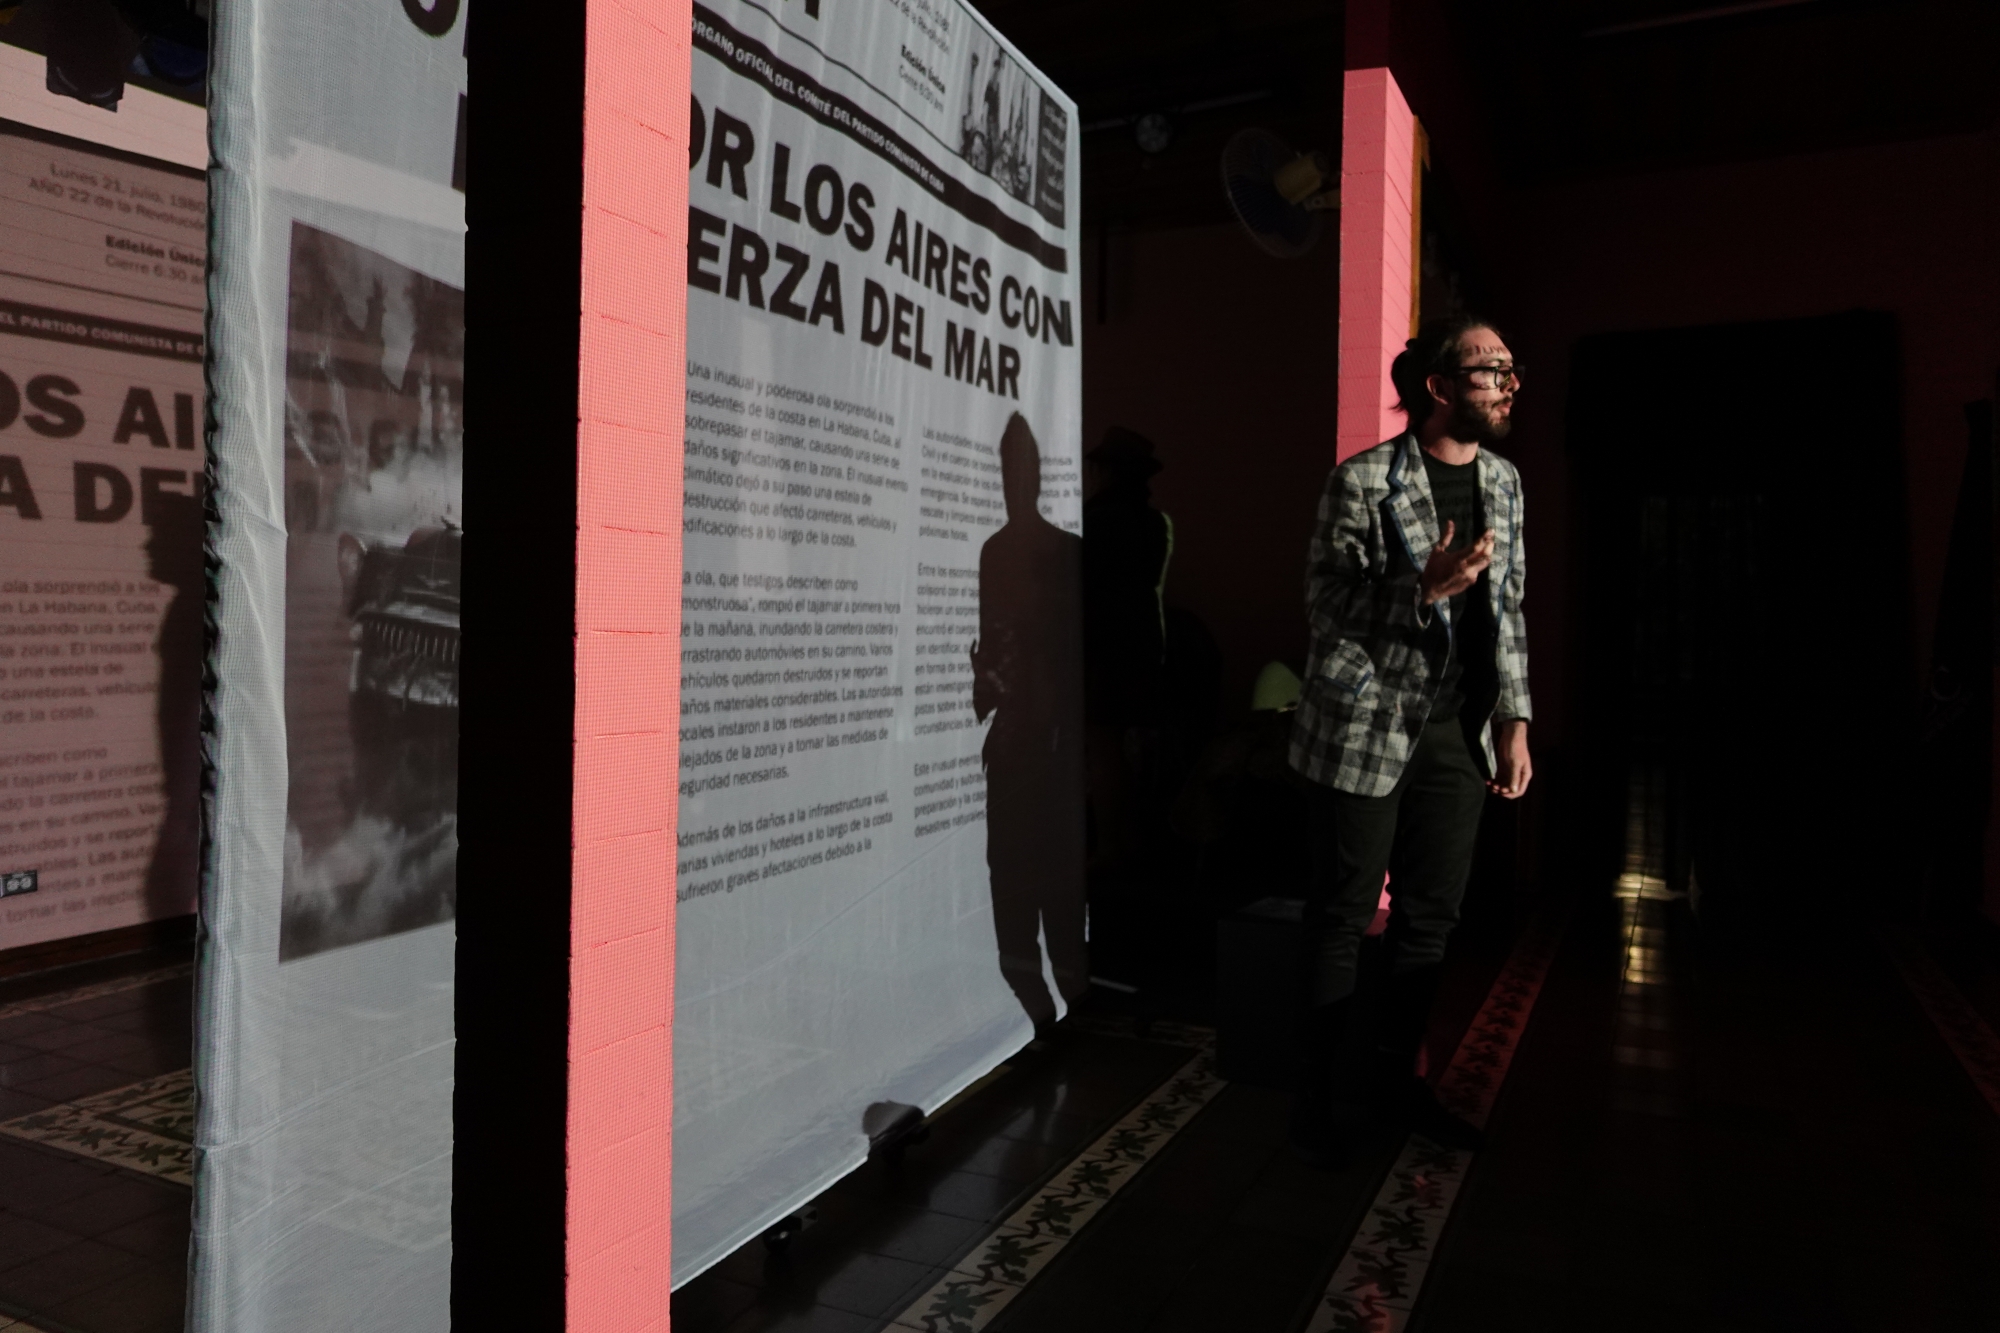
x=1479, y=421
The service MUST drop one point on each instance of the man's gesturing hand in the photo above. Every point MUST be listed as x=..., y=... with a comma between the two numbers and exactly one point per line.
x=1510, y=747
x=1448, y=573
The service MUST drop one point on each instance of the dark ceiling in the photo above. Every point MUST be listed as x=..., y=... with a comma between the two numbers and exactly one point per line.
x=1211, y=67
x=29, y=28
x=1565, y=87
x=1591, y=86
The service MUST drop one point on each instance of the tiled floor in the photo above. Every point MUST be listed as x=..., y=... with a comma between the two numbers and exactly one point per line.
x=1044, y=1225
x=87, y=1246
x=1695, y=1133
x=1787, y=1148
x=1224, y=1228
x=1747, y=1140
x=886, y=1233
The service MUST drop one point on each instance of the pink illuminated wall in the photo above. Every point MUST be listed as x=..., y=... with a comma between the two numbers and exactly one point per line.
x=1377, y=193
x=633, y=356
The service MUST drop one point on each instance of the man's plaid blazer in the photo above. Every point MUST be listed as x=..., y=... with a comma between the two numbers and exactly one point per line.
x=1377, y=655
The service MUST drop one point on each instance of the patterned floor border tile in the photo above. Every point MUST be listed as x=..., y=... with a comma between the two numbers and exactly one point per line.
x=117, y=986
x=983, y=1283
x=146, y=1126
x=1166, y=1034
x=1377, y=1282
x=1961, y=1026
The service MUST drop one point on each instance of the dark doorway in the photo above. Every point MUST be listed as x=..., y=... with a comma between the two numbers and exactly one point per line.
x=1745, y=618
x=1954, y=733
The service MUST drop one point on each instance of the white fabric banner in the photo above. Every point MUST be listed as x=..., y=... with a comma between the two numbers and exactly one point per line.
x=880, y=872
x=324, y=1045
x=101, y=287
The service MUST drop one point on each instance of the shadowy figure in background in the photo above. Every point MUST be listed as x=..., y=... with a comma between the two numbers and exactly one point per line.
x=1027, y=674
x=89, y=50
x=1126, y=546
x=174, y=558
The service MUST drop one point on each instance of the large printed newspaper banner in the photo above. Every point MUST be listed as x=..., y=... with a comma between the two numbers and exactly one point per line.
x=880, y=866
x=324, y=1051
x=102, y=263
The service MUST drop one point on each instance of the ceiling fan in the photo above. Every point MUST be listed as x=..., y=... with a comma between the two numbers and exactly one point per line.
x=1280, y=196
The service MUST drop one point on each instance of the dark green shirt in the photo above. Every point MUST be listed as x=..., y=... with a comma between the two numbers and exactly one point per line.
x=1469, y=672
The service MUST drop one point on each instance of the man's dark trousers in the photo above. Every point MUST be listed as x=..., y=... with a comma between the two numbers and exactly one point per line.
x=1422, y=834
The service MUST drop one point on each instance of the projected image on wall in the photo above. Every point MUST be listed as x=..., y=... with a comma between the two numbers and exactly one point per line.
x=374, y=467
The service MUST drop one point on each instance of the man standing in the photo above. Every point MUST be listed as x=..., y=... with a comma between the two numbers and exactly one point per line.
x=1415, y=706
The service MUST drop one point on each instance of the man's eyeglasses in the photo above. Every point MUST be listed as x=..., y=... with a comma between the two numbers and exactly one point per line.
x=1490, y=377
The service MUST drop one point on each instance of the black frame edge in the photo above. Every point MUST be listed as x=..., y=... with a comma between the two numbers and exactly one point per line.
x=524, y=141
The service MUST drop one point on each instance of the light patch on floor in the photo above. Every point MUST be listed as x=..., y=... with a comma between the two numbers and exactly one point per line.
x=146, y=1126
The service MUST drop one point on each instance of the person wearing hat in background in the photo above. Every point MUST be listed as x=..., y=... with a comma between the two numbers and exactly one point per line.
x=1126, y=546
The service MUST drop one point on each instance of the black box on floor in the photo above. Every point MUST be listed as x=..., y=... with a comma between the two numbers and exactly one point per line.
x=1257, y=991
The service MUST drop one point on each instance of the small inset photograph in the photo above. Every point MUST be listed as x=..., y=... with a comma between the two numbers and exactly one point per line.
x=998, y=125
x=374, y=472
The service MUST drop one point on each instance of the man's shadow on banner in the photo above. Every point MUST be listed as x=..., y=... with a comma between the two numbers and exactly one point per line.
x=174, y=559
x=1027, y=674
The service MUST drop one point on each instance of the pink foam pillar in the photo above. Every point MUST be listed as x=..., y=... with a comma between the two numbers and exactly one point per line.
x=633, y=354
x=1377, y=190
